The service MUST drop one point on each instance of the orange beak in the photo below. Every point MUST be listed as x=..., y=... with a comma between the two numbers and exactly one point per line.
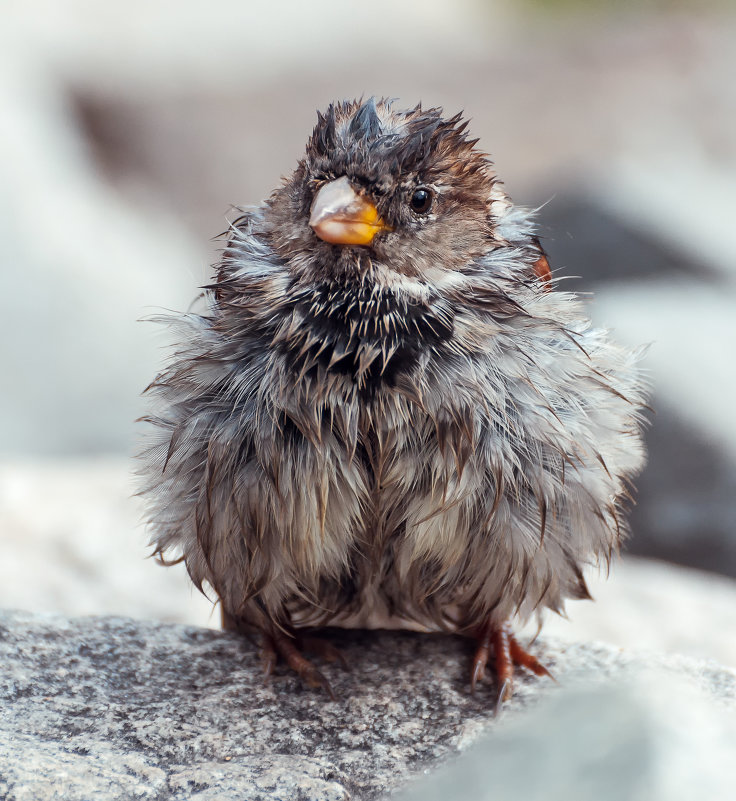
x=343, y=217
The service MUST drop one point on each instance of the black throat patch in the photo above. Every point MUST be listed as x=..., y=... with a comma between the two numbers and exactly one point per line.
x=363, y=331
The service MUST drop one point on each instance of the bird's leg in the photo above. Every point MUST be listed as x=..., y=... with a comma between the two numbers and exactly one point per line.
x=266, y=651
x=269, y=656
x=284, y=645
x=506, y=653
x=277, y=642
x=324, y=649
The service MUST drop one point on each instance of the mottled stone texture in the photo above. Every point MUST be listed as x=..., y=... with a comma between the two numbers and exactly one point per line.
x=111, y=708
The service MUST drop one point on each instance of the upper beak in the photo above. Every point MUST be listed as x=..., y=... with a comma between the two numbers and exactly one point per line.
x=343, y=217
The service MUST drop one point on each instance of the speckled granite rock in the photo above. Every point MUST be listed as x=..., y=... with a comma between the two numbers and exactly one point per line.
x=111, y=708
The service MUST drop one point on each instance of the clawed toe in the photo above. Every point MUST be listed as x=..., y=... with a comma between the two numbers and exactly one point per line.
x=324, y=649
x=480, y=661
x=525, y=659
x=505, y=691
x=268, y=656
x=315, y=678
x=282, y=645
x=507, y=652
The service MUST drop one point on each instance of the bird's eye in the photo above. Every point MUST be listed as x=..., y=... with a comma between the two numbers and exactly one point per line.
x=421, y=200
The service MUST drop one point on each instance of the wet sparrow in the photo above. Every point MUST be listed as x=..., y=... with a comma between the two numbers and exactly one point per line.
x=389, y=416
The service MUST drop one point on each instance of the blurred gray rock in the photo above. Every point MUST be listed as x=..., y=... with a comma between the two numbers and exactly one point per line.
x=111, y=708
x=687, y=496
x=80, y=267
x=82, y=550
x=653, y=742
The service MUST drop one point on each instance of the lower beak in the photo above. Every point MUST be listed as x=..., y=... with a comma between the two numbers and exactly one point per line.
x=343, y=217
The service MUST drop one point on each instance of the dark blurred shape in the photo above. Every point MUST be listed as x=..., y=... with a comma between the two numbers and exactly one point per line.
x=687, y=499
x=590, y=245
x=200, y=153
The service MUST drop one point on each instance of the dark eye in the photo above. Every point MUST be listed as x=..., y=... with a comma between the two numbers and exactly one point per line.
x=421, y=200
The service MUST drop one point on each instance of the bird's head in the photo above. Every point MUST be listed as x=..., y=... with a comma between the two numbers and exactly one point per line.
x=406, y=190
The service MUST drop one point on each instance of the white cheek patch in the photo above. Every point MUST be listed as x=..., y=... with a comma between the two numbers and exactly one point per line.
x=421, y=287
x=405, y=284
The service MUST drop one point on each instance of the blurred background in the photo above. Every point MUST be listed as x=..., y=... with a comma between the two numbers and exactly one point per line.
x=129, y=130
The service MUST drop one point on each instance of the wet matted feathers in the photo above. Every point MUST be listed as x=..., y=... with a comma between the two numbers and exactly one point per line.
x=389, y=415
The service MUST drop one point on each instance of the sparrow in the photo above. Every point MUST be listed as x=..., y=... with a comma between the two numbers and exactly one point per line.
x=389, y=415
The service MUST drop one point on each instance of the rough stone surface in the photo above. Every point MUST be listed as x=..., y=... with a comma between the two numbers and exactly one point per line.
x=112, y=708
